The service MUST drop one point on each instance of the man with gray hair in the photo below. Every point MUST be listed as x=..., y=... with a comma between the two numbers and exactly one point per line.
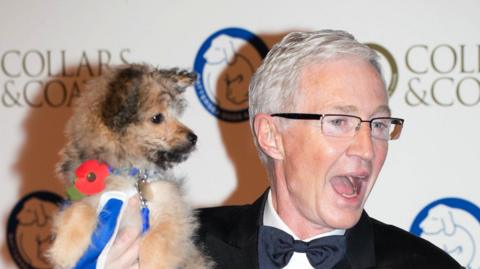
x=321, y=123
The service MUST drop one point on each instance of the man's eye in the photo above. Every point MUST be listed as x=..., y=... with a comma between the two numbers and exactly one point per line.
x=379, y=125
x=338, y=122
x=157, y=119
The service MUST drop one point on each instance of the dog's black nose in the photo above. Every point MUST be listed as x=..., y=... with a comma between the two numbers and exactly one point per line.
x=192, y=138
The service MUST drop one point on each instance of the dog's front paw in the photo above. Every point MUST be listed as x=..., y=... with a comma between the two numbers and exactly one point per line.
x=72, y=228
x=161, y=248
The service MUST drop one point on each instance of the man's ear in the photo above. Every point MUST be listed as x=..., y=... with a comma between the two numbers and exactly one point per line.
x=268, y=136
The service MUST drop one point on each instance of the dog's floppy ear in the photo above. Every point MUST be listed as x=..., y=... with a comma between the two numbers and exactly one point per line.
x=123, y=96
x=177, y=78
x=185, y=79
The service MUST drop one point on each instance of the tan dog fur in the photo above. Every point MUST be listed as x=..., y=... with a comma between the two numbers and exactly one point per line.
x=116, y=121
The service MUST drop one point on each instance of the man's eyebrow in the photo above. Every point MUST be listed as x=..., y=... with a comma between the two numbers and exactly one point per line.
x=353, y=109
x=346, y=109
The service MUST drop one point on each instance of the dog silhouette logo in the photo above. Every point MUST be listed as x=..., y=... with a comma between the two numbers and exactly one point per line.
x=452, y=224
x=29, y=229
x=226, y=62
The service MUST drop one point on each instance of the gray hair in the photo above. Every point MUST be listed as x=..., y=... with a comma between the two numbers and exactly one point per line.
x=272, y=88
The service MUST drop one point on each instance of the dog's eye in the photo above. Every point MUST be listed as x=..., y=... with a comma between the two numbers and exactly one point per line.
x=157, y=119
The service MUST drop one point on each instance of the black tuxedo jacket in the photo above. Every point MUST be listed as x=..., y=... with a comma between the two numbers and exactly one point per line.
x=228, y=235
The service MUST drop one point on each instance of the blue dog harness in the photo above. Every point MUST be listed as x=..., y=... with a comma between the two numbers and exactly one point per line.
x=110, y=211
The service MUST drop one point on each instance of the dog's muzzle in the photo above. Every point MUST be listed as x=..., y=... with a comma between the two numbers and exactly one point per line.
x=167, y=158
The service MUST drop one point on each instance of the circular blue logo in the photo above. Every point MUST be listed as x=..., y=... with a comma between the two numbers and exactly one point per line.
x=29, y=229
x=226, y=62
x=452, y=224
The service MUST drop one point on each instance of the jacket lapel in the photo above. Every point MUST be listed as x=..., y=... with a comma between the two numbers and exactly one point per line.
x=248, y=243
x=360, y=246
x=242, y=237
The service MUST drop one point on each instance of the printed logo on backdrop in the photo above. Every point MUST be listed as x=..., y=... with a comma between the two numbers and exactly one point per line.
x=29, y=229
x=452, y=224
x=443, y=75
x=225, y=62
x=50, y=78
x=386, y=60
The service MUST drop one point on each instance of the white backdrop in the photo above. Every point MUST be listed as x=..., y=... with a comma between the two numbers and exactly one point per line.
x=48, y=48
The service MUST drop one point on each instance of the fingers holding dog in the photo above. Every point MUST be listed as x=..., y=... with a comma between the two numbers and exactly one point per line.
x=124, y=251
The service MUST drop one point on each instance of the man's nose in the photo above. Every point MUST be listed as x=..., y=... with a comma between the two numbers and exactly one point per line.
x=362, y=144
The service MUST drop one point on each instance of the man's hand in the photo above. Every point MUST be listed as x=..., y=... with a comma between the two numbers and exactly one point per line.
x=124, y=251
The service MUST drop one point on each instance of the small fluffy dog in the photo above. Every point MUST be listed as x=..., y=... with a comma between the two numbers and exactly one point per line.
x=127, y=121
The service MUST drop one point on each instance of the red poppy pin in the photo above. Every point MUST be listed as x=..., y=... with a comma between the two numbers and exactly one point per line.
x=91, y=176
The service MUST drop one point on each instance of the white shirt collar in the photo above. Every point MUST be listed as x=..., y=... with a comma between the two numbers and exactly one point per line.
x=271, y=218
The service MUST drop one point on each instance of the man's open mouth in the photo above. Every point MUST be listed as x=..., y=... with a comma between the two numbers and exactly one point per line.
x=348, y=186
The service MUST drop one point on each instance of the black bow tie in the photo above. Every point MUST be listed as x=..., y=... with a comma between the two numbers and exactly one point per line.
x=276, y=247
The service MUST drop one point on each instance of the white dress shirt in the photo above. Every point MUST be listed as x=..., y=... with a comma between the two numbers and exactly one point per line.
x=271, y=218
